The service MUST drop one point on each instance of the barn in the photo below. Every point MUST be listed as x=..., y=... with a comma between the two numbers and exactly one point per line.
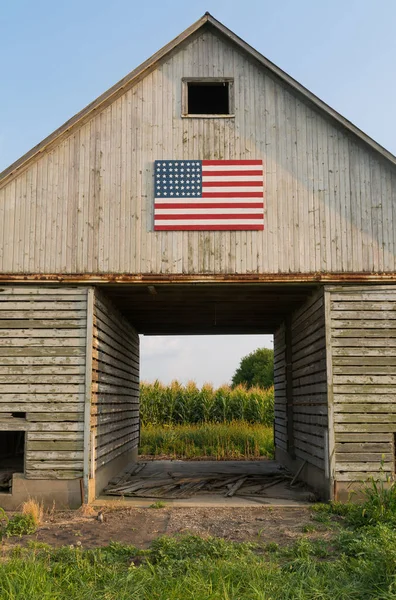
x=299, y=242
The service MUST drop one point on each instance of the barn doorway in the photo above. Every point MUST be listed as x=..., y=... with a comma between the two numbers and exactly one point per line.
x=294, y=315
x=203, y=437
x=197, y=424
x=12, y=456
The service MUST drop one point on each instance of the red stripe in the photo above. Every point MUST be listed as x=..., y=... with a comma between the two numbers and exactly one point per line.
x=232, y=194
x=211, y=205
x=231, y=183
x=230, y=227
x=232, y=162
x=208, y=217
x=225, y=172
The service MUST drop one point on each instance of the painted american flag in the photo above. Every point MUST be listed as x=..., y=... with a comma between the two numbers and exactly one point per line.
x=196, y=195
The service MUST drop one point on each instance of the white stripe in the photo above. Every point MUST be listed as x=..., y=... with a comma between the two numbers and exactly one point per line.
x=232, y=178
x=209, y=222
x=203, y=201
x=231, y=167
x=231, y=188
x=208, y=211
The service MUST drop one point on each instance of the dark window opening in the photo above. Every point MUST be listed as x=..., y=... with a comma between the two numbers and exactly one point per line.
x=19, y=415
x=207, y=98
x=12, y=455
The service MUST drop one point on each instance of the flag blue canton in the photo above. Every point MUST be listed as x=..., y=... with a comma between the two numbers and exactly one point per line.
x=178, y=178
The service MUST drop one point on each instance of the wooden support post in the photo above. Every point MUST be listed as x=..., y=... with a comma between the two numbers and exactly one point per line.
x=289, y=387
x=88, y=394
x=330, y=456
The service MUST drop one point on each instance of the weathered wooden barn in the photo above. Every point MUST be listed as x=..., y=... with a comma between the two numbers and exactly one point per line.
x=83, y=270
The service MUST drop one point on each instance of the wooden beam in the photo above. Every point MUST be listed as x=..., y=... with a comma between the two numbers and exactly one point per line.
x=88, y=396
x=289, y=387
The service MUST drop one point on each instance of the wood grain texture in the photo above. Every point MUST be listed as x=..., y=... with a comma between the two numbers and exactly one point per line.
x=115, y=383
x=85, y=205
x=306, y=362
x=280, y=431
x=42, y=371
x=309, y=375
x=363, y=342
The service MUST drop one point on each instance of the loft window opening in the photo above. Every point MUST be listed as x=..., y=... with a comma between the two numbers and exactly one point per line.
x=208, y=97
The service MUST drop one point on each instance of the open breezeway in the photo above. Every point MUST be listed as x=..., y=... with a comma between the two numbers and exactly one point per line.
x=294, y=313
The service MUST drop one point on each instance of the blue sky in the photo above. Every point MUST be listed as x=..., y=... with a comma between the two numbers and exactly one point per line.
x=56, y=57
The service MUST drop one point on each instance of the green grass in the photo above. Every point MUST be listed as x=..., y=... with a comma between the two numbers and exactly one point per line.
x=217, y=441
x=378, y=506
x=356, y=566
x=357, y=563
x=18, y=525
x=158, y=504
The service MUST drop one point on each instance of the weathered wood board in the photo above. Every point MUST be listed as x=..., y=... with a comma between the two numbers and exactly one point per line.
x=42, y=375
x=363, y=355
x=301, y=383
x=86, y=199
x=115, y=383
x=184, y=479
x=280, y=388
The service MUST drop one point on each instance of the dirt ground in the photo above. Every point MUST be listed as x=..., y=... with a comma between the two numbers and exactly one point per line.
x=140, y=526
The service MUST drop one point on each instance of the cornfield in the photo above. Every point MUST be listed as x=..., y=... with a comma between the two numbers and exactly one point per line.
x=178, y=404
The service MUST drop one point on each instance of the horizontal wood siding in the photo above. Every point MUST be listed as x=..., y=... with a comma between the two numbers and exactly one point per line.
x=363, y=350
x=86, y=205
x=42, y=374
x=115, y=383
x=280, y=425
x=309, y=381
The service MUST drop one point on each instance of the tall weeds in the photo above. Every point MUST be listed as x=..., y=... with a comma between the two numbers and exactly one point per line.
x=178, y=404
x=377, y=503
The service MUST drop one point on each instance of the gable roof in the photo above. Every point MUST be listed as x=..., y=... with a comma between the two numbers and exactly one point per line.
x=119, y=88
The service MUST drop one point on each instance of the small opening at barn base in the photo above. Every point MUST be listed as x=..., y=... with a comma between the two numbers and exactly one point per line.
x=12, y=454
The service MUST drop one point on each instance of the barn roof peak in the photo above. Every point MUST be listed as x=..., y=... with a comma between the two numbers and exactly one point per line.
x=119, y=88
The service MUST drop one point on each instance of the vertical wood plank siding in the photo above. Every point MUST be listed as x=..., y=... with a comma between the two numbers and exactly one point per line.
x=42, y=374
x=115, y=387
x=86, y=205
x=309, y=383
x=363, y=352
